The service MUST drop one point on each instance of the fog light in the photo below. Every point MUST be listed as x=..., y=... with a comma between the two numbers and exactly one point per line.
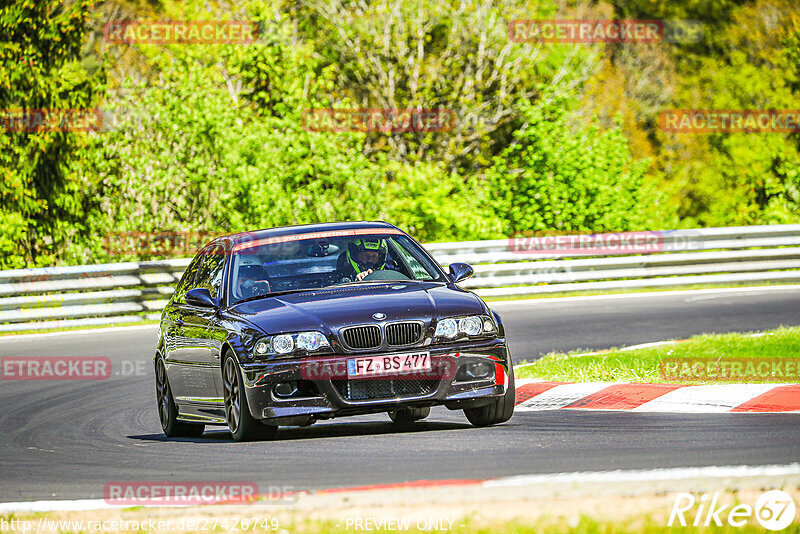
x=488, y=326
x=285, y=389
x=480, y=369
x=262, y=347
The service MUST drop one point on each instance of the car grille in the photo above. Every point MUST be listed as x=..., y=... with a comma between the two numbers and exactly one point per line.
x=403, y=333
x=362, y=337
x=371, y=389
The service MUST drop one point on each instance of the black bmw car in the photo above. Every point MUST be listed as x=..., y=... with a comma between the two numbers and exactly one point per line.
x=291, y=325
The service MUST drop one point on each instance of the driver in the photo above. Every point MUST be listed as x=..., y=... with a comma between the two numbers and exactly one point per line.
x=363, y=256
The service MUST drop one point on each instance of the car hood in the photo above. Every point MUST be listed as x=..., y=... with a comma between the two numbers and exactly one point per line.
x=331, y=309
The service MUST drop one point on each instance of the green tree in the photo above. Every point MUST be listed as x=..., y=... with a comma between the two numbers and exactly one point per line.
x=742, y=62
x=42, y=67
x=567, y=177
x=439, y=55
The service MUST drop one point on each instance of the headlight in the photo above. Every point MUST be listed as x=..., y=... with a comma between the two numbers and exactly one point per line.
x=310, y=341
x=288, y=343
x=447, y=328
x=283, y=344
x=470, y=326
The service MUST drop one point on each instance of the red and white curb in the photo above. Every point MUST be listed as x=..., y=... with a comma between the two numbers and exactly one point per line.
x=535, y=395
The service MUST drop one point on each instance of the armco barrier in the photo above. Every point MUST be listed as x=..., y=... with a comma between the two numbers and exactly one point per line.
x=132, y=292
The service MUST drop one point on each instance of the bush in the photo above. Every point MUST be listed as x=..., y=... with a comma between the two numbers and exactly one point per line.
x=558, y=177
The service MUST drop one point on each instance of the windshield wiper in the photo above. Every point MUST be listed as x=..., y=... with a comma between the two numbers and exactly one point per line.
x=389, y=281
x=359, y=282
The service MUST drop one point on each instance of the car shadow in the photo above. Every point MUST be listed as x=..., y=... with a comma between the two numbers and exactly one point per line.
x=321, y=431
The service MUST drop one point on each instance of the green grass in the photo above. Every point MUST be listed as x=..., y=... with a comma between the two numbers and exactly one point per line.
x=644, y=365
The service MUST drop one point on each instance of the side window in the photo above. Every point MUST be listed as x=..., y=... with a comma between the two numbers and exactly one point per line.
x=209, y=274
x=419, y=272
x=187, y=280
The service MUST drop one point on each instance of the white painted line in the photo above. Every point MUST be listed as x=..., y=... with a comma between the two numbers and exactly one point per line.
x=564, y=357
x=651, y=345
x=680, y=473
x=521, y=365
x=82, y=332
x=643, y=294
x=560, y=396
x=518, y=382
x=713, y=398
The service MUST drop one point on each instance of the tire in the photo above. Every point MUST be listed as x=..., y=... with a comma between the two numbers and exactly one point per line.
x=499, y=411
x=243, y=426
x=168, y=411
x=409, y=415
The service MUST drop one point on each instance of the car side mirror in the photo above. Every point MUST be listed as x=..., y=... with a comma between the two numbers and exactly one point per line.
x=200, y=296
x=460, y=271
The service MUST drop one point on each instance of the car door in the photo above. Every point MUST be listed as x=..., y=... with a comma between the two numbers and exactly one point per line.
x=196, y=347
x=177, y=346
x=204, y=323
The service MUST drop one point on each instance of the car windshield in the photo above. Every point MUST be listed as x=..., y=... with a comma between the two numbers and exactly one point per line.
x=292, y=264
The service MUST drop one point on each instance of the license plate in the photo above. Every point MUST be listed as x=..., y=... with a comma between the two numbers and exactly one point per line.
x=391, y=364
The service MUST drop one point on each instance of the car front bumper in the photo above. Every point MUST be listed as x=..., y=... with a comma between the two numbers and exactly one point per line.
x=333, y=394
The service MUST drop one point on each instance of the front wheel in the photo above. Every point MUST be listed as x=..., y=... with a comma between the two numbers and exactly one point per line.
x=168, y=411
x=243, y=426
x=499, y=411
x=409, y=415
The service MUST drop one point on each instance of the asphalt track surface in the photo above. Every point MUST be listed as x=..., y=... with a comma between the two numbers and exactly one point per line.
x=67, y=439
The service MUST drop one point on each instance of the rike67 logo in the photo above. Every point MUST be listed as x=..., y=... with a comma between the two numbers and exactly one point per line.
x=774, y=510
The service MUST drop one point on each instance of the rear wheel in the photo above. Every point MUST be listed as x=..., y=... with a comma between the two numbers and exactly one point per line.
x=243, y=426
x=499, y=411
x=409, y=415
x=168, y=411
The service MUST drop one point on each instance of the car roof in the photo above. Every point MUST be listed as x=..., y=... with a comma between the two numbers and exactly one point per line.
x=259, y=235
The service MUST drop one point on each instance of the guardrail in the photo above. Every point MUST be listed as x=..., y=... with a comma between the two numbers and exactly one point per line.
x=32, y=299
